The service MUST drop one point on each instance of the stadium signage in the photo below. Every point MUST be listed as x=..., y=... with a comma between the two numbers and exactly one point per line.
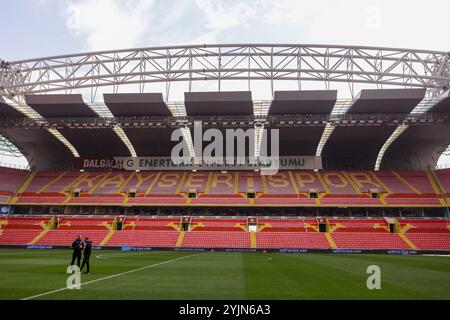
x=166, y=163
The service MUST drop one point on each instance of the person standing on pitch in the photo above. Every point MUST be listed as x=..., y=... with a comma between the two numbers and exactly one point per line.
x=87, y=254
x=77, y=247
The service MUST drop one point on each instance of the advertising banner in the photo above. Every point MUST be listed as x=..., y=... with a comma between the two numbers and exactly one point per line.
x=166, y=163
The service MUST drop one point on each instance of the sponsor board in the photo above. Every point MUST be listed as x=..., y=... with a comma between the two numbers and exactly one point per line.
x=166, y=163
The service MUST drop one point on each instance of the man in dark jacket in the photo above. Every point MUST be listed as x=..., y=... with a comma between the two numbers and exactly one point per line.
x=87, y=254
x=77, y=247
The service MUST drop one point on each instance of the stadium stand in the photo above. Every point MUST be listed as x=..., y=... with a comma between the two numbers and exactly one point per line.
x=444, y=180
x=144, y=238
x=359, y=226
x=425, y=226
x=300, y=240
x=359, y=195
x=221, y=232
x=367, y=240
x=288, y=188
x=18, y=236
x=65, y=237
x=219, y=239
x=431, y=240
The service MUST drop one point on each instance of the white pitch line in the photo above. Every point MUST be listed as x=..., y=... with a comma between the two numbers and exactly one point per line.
x=437, y=255
x=111, y=276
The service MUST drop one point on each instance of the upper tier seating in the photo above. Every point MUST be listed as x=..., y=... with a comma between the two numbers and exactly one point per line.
x=336, y=188
x=444, y=179
x=51, y=182
x=11, y=180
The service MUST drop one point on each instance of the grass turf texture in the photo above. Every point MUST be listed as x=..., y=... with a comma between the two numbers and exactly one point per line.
x=25, y=273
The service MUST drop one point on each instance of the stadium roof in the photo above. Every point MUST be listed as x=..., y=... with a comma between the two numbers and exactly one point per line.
x=59, y=105
x=349, y=146
x=416, y=72
x=296, y=139
x=214, y=103
x=218, y=103
x=358, y=146
x=136, y=104
x=146, y=141
x=387, y=100
x=40, y=147
x=303, y=102
x=6, y=111
x=106, y=142
x=420, y=146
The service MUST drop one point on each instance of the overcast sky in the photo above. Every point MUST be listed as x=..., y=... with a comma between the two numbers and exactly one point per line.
x=35, y=28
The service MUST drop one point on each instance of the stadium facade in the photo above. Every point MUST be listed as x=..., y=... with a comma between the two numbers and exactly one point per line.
x=372, y=155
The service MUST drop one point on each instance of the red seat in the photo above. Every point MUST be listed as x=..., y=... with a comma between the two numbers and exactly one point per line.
x=439, y=241
x=66, y=237
x=141, y=238
x=18, y=236
x=211, y=239
x=367, y=240
x=299, y=240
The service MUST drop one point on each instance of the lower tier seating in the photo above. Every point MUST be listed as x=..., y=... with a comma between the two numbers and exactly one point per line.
x=18, y=236
x=66, y=237
x=431, y=240
x=229, y=233
x=366, y=240
x=144, y=238
x=217, y=239
x=292, y=240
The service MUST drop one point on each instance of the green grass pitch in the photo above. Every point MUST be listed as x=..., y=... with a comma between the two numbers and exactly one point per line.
x=190, y=275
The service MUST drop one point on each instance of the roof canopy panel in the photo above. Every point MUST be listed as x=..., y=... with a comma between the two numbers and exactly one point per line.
x=101, y=142
x=95, y=142
x=151, y=142
x=218, y=103
x=296, y=141
x=40, y=148
x=420, y=146
x=137, y=104
x=211, y=141
x=59, y=105
x=355, y=147
x=303, y=102
x=6, y=111
x=441, y=107
x=387, y=100
x=417, y=147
